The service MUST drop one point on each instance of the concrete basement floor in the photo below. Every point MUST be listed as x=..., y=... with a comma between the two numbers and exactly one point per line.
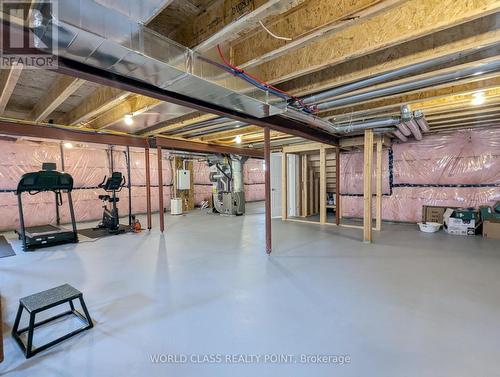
x=410, y=304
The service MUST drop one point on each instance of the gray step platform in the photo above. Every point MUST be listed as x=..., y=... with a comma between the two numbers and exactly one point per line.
x=38, y=302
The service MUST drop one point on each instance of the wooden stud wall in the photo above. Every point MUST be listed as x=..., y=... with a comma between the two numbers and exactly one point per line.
x=378, y=189
x=187, y=196
x=367, y=186
x=317, y=177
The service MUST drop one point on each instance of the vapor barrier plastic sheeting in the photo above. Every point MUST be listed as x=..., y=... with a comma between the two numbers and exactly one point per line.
x=89, y=164
x=454, y=169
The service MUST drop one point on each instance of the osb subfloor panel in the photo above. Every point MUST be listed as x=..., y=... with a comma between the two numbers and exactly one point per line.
x=410, y=304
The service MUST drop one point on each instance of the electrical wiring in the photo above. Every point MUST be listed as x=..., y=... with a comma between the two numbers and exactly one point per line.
x=236, y=71
x=272, y=34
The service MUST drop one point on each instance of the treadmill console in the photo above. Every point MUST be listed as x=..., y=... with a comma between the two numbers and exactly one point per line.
x=45, y=180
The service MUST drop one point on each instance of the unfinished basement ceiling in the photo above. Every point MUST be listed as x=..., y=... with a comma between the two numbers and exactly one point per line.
x=177, y=15
x=449, y=106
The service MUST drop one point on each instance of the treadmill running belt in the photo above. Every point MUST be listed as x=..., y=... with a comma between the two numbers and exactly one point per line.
x=5, y=248
x=42, y=229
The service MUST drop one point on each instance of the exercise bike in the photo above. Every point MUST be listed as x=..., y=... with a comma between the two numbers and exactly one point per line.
x=110, y=218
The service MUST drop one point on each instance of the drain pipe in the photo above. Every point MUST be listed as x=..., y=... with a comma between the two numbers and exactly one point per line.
x=412, y=85
x=327, y=94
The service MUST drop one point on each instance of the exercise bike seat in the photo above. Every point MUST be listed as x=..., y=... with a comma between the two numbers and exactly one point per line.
x=104, y=197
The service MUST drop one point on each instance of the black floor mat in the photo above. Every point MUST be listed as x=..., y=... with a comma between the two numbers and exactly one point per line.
x=99, y=233
x=5, y=248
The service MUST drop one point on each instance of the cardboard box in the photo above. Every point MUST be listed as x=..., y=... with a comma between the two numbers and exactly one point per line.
x=434, y=213
x=491, y=229
x=459, y=226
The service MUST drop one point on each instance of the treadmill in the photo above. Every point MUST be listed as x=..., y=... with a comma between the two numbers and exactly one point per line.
x=48, y=179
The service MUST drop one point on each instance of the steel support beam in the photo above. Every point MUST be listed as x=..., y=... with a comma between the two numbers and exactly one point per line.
x=267, y=157
x=68, y=134
x=148, y=186
x=60, y=133
x=161, y=207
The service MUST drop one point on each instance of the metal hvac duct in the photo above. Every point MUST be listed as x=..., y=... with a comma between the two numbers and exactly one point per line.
x=403, y=128
x=225, y=127
x=370, y=124
x=407, y=117
x=400, y=136
x=197, y=126
x=421, y=121
x=412, y=85
x=95, y=35
x=327, y=94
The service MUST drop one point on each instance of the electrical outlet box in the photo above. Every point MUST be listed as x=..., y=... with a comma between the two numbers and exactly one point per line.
x=183, y=179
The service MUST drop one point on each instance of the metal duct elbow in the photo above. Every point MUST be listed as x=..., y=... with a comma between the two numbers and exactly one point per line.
x=421, y=121
x=400, y=136
x=410, y=123
x=414, y=128
x=403, y=129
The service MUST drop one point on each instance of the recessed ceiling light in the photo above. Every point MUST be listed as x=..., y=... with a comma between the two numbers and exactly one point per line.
x=237, y=139
x=478, y=99
x=129, y=119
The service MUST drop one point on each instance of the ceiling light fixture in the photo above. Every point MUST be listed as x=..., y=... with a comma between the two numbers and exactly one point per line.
x=237, y=139
x=68, y=145
x=129, y=119
x=478, y=98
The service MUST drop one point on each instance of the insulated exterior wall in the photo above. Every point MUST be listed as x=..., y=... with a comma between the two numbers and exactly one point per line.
x=89, y=164
x=459, y=169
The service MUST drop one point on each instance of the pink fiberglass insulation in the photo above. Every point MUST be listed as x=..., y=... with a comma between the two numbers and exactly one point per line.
x=88, y=165
x=201, y=172
x=351, y=173
x=253, y=171
x=423, y=169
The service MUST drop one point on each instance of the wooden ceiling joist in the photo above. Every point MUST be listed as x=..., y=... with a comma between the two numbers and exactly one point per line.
x=316, y=18
x=101, y=100
x=134, y=104
x=479, y=64
x=61, y=89
x=459, y=37
x=193, y=146
x=461, y=119
x=409, y=21
x=231, y=134
x=225, y=20
x=416, y=99
x=177, y=124
x=468, y=37
x=8, y=82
